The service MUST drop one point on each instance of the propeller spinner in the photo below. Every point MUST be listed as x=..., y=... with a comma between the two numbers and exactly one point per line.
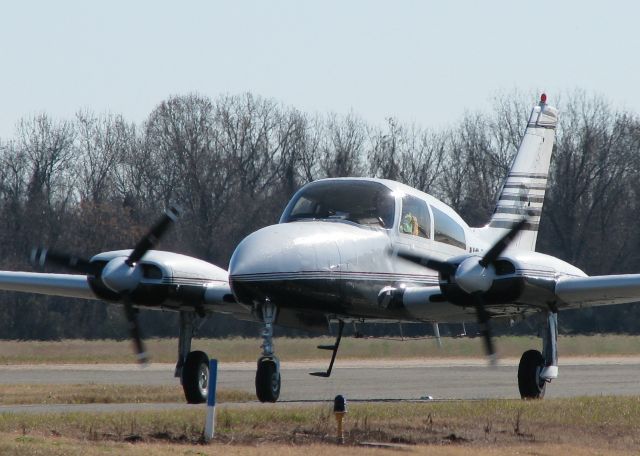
x=120, y=275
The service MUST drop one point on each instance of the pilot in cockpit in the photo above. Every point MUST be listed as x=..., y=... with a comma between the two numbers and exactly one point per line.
x=409, y=224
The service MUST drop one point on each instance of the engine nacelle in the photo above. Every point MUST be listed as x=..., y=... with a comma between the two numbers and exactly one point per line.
x=162, y=276
x=414, y=300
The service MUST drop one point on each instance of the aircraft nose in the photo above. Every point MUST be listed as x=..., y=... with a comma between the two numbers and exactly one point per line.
x=286, y=248
x=291, y=264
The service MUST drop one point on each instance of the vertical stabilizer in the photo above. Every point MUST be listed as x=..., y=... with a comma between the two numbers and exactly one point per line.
x=523, y=191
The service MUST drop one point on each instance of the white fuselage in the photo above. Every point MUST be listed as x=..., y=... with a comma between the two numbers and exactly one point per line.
x=337, y=266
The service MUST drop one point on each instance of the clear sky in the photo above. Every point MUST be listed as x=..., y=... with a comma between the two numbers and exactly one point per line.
x=420, y=61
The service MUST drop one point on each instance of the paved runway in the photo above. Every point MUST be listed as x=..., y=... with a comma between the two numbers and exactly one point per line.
x=365, y=380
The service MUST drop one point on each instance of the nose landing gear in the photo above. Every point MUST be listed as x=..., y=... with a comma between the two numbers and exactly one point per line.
x=268, y=372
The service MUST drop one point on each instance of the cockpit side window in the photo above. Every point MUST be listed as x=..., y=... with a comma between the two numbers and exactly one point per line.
x=415, y=218
x=447, y=230
x=362, y=202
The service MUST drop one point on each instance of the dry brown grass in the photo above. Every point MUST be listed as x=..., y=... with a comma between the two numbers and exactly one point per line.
x=11, y=445
x=103, y=394
x=247, y=349
x=605, y=425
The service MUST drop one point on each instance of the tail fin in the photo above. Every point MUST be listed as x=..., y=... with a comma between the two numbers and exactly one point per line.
x=523, y=191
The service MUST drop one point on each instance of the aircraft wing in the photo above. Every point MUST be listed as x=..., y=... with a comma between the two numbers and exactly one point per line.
x=598, y=290
x=217, y=295
x=68, y=285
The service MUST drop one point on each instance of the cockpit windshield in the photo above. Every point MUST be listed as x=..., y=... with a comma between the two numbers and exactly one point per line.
x=358, y=201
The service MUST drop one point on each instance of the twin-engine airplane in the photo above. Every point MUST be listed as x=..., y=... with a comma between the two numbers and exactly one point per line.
x=353, y=249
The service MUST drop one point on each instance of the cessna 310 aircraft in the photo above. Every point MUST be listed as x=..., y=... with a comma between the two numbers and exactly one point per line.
x=350, y=249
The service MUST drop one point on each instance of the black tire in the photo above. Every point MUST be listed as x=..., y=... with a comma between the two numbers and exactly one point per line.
x=267, y=380
x=529, y=382
x=195, y=377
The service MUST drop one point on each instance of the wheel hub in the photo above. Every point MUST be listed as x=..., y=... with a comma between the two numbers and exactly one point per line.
x=203, y=380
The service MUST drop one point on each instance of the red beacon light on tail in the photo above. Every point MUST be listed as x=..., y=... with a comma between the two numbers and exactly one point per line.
x=543, y=98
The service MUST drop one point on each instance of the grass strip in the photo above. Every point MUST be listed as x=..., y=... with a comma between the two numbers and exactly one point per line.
x=12, y=394
x=59, y=446
x=605, y=423
x=290, y=349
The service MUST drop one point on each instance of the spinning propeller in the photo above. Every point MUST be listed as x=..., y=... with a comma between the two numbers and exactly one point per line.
x=120, y=275
x=474, y=276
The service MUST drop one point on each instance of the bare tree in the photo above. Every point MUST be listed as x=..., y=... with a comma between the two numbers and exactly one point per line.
x=343, y=147
x=592, y=174
x=102, y=142
x=47, y=148
x=407, y=154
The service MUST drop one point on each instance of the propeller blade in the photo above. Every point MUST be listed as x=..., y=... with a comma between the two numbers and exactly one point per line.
x=153, y=236
x=134, y=331
x=494, y=252
x=442, y=267
x=119, y=276
x=41, y=255
x=485, y=327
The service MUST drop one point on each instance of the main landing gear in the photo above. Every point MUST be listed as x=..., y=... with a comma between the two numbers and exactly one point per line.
x=192, y=367
x=268, y=372
x=537, y=369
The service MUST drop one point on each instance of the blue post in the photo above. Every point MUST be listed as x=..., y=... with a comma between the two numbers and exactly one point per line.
x=210, y=423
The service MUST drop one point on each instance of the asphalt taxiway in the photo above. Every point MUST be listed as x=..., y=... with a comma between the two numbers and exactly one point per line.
x=442, y=379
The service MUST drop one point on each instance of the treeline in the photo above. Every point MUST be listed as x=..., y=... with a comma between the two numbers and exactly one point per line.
x=97, y=181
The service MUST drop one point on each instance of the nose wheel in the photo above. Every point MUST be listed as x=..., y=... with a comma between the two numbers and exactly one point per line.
x=268, y=372
x=268, y=379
